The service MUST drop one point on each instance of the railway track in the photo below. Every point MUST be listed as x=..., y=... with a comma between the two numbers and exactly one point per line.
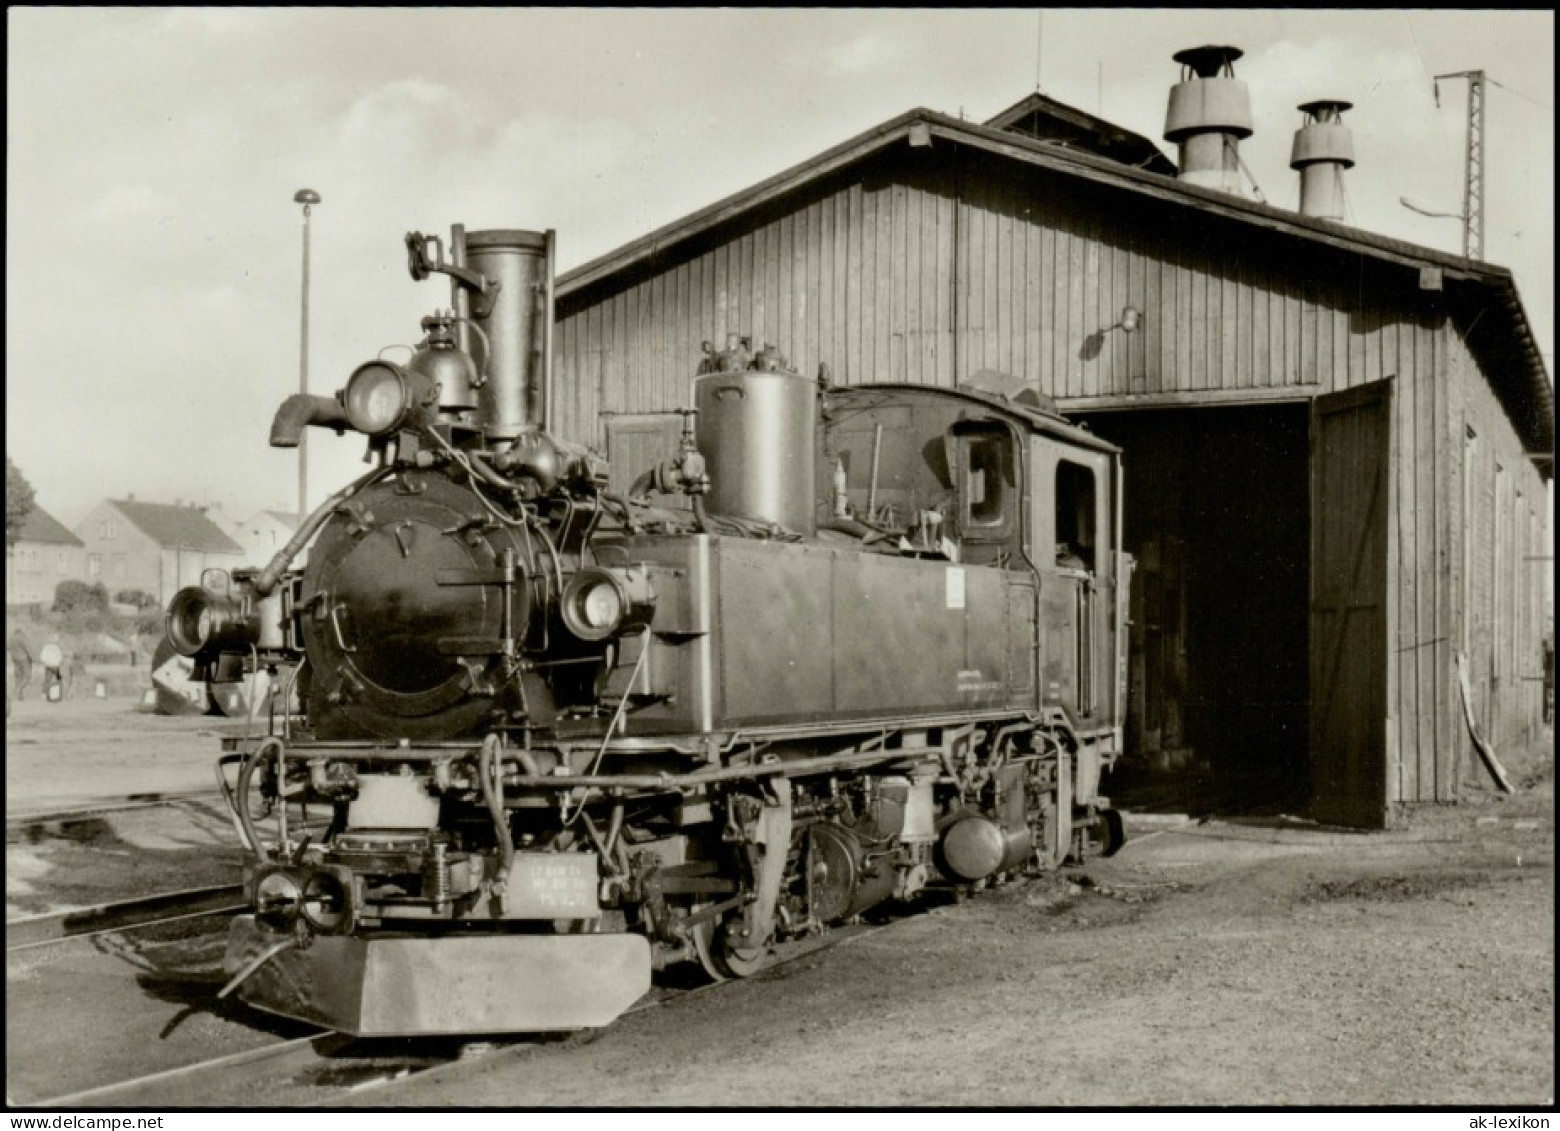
x=329, y=1067
x=122, y=915
x=318, y=1067
x=108, y=807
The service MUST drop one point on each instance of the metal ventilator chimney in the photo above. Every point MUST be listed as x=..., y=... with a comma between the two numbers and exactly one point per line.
x=1209, y=113
x=1323, y=149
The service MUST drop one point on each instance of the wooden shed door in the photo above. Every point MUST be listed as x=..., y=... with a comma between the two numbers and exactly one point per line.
x=1351, y=462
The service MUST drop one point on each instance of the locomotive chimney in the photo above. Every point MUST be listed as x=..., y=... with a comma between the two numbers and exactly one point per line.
x=1323, y=149
x=1209, y=113
x=514, y=350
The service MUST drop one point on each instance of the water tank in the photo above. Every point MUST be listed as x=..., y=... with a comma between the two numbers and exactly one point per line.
x=757, y=432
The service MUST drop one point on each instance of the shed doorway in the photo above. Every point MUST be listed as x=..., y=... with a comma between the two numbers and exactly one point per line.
x=1218, y=518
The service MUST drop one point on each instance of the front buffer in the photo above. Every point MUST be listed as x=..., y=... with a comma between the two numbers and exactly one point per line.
x=404, y=986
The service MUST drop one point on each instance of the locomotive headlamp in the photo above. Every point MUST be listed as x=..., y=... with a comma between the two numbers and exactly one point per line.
x=326, y=902
x=377, y=398
x=594, y=604
x=598, y=602
x=278, y=895
x=202, y=621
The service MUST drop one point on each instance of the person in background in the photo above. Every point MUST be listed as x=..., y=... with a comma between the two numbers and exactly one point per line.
x=22, y=661
x=53, y=659
x=74, y=672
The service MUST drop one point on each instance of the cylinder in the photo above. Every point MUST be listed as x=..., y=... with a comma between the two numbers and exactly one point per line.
x=514, y=320
x=757, y=432
x=974, y=847
x=1200, y=105
x=1209, y=161
x=1321, y=192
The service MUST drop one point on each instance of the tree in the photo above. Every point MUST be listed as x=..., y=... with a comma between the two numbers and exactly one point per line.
x=151, y=623
x=72, y=595
x=19, y=500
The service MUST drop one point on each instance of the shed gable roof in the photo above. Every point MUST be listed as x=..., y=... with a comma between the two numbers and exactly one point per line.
x=177, y=527
x=1505, y=345
x=1046, y=119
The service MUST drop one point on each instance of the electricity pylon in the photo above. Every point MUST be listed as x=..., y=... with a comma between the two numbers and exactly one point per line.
x=1473, y=164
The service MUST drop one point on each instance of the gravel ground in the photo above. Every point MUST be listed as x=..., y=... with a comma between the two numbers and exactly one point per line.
x=1258, y=962
x=1218, y=964
x=60, y=755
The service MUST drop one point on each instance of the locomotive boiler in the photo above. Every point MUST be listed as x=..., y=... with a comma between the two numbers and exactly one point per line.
x=844, y=645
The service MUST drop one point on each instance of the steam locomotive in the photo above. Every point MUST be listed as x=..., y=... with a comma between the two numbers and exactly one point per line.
x=844, y=646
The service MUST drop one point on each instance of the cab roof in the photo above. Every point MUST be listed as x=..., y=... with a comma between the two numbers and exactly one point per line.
x=1022, y=414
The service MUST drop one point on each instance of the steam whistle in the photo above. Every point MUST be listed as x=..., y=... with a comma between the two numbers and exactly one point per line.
x=736, y=357
x=841, y=500
x=693, y=477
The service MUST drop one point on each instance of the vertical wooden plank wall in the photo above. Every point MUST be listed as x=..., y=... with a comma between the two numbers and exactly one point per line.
x=930, y=280
x=1503, y=629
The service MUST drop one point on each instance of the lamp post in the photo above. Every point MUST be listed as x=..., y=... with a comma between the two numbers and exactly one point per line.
x=308, y=198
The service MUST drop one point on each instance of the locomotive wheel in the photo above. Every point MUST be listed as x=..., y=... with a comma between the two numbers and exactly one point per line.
x=740, y=961
x=705, y=945
x=719, y=955
x=1115, y=830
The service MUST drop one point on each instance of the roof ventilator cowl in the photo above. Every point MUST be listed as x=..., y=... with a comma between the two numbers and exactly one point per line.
x=1323, y=149
x=1208, y=115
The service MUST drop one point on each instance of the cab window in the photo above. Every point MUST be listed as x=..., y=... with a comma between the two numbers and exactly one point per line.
x=1075, y=515
x=986, y=482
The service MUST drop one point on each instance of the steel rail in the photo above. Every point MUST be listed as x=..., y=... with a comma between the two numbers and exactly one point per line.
x=297, y=1054
x=107, y=806
x=123, y=915
x=120, y=1094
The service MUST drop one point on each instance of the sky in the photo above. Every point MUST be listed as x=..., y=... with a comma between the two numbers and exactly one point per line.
x=153, y=250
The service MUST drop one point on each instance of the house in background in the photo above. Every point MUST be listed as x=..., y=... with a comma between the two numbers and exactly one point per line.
x=43, y=555
x=263, y=533
x=157, y=548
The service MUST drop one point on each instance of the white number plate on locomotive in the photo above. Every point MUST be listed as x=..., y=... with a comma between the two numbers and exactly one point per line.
x=553, y=885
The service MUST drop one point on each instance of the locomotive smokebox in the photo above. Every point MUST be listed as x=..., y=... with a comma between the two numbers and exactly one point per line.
x=756, y=430
x=514, y=350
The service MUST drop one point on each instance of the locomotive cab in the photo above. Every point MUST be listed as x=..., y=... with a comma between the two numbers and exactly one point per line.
x=1012, y=486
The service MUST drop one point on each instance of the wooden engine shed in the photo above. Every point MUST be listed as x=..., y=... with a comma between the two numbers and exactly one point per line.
x=1337, y=444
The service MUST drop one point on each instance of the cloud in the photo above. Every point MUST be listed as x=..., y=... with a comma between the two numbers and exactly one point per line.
x=872, y=51
x=164, y=147
x=216, y=21
x=130, y=204
x=409, y=117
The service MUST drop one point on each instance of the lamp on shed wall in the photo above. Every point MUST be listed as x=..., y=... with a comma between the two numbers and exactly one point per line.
x=1131, y=318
